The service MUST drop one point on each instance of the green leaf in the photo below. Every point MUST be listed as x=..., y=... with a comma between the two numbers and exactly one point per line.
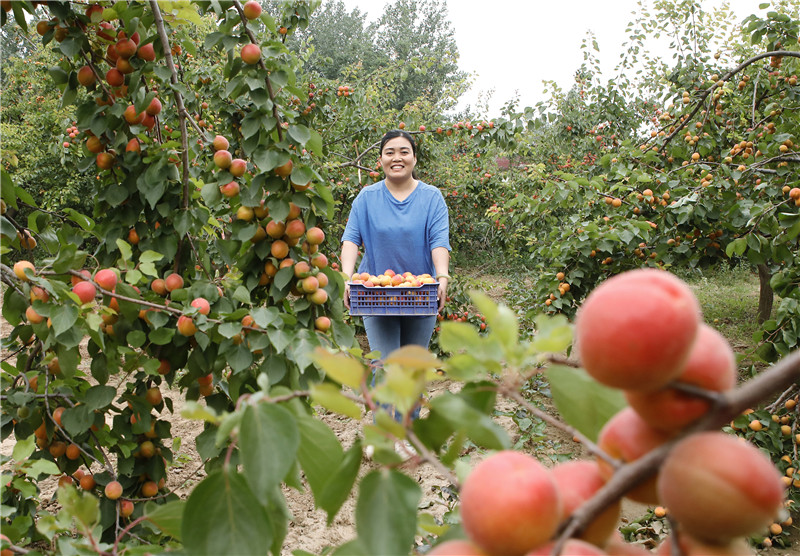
x=77, y=420
x=340, y=367
x=330, y=397
x=314, y=143
x=7, y=228
x=161, y=336
x=223, y=516
x=319, y=453
x=136, y=338
x=299, y=133
x=239, y=358
x=553, y=333
x=283, y=277
x=302, y=175
x=81, y=220
x=82, y=506
x=478, y=426
x=583, y=402
x=386, y=512
x=98, y=397
x=58, y=75
x=501, y=320
x=64, y=317
x=167, y=517
x=242, y=295
x=23, y=448
x=269, y=441
x=337, y=491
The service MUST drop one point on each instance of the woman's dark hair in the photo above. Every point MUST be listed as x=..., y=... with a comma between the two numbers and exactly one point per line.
x=391, y=134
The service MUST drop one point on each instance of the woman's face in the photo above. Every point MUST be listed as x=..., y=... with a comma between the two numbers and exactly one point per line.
x=397, y=159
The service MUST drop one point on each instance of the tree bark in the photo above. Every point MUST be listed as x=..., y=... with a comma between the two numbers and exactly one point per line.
x=765, y=295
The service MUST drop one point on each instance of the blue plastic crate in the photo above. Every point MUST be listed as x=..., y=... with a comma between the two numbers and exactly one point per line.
x=417, y=301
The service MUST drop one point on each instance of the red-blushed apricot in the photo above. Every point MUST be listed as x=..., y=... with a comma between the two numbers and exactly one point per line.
x=711, y=365
x=577, y=482
x=719, y=487
x=457, y=547
x=510, y=504
x=106, y=279
x=149, y=489
x=250, y=53
x=164, y=367
x=85, y=291
x=315, y=235
x=627, y=437
x=186, y=326
x=572, y=547
x=159, y=286
x=32, y=316
x=19, y=270
x=153, y=395
x=113, y=490
x=73, y=451
x=692, y=547
x=635, y=330
x=202, y=305
x=251, y=9
x=125, y=508
x=172, y=282
x=87, y=482
x=322, y=323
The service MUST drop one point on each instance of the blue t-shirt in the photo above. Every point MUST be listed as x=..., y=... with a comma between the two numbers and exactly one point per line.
x=398, y=235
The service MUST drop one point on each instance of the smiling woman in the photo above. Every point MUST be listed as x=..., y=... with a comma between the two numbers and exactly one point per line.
x=403, y=225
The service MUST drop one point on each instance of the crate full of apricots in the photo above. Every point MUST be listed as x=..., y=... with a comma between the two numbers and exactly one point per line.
x=391, y=293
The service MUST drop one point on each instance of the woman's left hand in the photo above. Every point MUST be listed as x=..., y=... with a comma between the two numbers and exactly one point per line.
x=442, y=293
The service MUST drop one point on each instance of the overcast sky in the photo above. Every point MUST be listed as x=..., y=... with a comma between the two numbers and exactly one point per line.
x=513, y=45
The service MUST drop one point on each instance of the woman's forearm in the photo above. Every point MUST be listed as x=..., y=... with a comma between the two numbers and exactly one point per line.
x=441, y=260
x=349, y=257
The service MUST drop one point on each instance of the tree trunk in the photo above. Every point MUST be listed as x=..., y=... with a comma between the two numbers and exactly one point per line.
x=765, y=295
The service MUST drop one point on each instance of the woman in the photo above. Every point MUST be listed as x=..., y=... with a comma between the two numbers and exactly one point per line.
x=403, y=225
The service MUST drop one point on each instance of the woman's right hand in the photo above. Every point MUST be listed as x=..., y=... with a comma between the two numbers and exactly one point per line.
x=347, y=295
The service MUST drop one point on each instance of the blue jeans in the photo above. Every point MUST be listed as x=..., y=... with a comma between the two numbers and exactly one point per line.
x=386, y=334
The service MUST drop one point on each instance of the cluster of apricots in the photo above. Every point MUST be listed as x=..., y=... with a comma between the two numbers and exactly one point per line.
x=390, y=279
x=123, y=55
x=641, y=332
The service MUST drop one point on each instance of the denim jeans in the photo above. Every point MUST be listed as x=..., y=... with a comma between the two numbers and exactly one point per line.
x=386, y=334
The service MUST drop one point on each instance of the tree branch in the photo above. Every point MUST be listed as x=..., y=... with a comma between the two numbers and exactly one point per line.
x=779, y=377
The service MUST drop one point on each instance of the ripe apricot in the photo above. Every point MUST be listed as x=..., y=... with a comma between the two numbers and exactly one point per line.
x=87, y=482
x=719, y=487
x=577, y=482
x=125, y=508
x=635, y=331
x=510, y=504
x=113, y=490
x=173, y=282
x=627, y=437
x=186, y=326
x=19, y=269
x=711, y=365
x=149, y=489
x=73, y=451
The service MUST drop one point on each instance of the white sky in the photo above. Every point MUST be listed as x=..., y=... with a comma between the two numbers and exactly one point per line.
x=512, y=46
